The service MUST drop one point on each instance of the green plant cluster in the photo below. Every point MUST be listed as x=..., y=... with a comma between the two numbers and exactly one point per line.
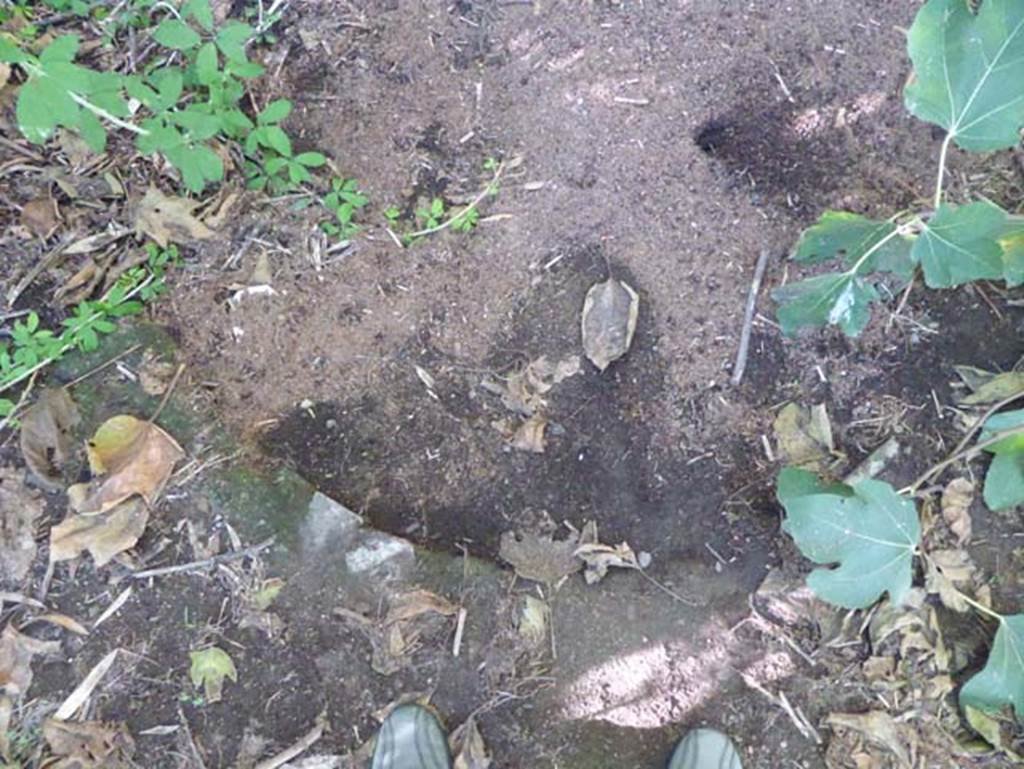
x=866, y=536
x=343, y=200
x=32, y=347
x=968, y=79
x=183, y=105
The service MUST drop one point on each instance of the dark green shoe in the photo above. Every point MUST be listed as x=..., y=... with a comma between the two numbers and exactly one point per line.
x=705, y=749
x=411, y=738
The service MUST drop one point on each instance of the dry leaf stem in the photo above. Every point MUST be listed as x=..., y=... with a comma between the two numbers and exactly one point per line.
x=167, y=395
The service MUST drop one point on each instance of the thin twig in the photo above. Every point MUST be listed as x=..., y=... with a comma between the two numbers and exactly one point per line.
x=21, y=402
x=99, y=368
x=963, y=454
x=167, y=395
x=197, y=565
x=305, y=743
x=748, y=317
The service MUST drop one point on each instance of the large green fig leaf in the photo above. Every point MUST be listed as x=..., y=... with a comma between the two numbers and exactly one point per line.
x=1001, y=682
x=863, y=243
x=842, y=298
x=868, y=529
x=961, y=243
x=969, y=71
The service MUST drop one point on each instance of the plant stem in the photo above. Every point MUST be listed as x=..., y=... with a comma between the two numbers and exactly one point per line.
x=956, y=456
x=942, y=169
x=472, y=205
x=100, y=112
x=856, y=265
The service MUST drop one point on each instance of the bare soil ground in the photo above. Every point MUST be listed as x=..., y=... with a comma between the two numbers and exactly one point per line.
x=665, y=143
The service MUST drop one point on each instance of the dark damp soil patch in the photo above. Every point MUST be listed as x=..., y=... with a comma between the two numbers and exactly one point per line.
x=429, y=464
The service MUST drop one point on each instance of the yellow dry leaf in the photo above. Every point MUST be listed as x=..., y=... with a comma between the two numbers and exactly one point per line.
x=137, y=457
x=169, y=219
x=104, y=535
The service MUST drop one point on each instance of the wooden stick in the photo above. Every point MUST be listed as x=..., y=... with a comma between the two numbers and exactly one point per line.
x=748, y=318
x=196, y=565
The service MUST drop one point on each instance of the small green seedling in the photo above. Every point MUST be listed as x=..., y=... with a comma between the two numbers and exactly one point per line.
x=968, y=79
x=430, y=217
x=343, y=201
x=33, y=347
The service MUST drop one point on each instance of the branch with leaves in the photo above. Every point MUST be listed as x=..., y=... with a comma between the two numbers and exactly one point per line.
x=969, y=80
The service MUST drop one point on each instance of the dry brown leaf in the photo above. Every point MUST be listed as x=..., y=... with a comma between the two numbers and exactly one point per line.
x=89, y=744
x=608, y=323
x=169, y=219
x=20, y=508
x=40, y=216
x=540, y=558
x=530, y=435
x=949, y=571
x=16, y=653
x=155, y=375
x=46, y=434
x=79, y=285
x=416, y=602
x=469, y=748
x=104, y=534
x=879, y=728
x=64, y=621
x=956, y=508
x=136, y=457
x=599, y=558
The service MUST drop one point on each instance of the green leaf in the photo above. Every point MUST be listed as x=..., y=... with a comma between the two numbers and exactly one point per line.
x=969, y=71
x=207, y=71
x=961, y=243
x=1004, y=482
x=232, y=39
x=198, y=165
x=92, y=131
x=275, y=138
x=6, y=407
x=838, y=299
x=11, y=53
x=62, y=49
x=199, y=124
x=311, y=159
x=854, y=237
x=42, y=106
x=1001, y=682
x=1012, y=243
x=176, y=34
x=298, y=174
x=872, y=535
x=201, y=12
x=794, y=482
x=209, y=669
x=274, y=112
